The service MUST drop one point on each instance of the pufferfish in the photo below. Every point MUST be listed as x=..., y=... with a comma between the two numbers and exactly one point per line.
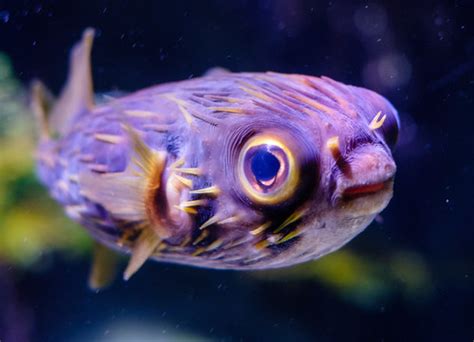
x=227, y=171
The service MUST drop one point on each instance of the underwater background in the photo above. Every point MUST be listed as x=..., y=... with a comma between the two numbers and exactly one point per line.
x=409, y=276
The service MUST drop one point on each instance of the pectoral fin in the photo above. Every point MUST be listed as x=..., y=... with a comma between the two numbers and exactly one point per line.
x=130, y=195
x=151, y=165
x=122, y=193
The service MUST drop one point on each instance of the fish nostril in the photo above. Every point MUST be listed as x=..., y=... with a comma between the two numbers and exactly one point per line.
x=390, y=169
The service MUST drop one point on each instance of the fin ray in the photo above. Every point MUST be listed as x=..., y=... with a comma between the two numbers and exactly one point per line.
x=120, y=193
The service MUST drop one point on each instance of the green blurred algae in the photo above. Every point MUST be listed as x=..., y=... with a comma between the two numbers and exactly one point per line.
x=364, y=280
x=31, y=224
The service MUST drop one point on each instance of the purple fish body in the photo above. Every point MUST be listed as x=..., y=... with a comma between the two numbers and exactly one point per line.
x=230, y=170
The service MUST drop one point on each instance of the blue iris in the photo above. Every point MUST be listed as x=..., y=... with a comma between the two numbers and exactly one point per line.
x=264, y=165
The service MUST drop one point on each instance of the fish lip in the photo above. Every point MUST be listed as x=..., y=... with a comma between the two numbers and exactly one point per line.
x=366, y=182
x=365, y=203
x=366, y=189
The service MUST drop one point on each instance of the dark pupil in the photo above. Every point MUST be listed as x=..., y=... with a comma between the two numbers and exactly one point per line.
x=264, y=165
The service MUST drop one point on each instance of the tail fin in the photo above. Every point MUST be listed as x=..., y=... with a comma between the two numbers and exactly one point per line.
x=77, y=95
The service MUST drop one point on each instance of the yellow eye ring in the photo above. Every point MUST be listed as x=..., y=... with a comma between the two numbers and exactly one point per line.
x=286, y=178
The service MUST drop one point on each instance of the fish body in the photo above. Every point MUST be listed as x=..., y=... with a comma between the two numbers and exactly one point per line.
x=229, y=171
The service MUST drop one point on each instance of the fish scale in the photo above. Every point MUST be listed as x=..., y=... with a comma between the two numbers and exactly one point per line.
x=164, y=172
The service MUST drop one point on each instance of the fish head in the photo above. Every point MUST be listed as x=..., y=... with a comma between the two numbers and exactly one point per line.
x=319, y=176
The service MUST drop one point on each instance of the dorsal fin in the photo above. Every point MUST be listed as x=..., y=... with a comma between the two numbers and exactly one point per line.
x=77, y=95
x=217, y=71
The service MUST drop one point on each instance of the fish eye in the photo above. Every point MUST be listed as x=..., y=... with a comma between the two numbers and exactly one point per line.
x=265, y=166
x=267, y=170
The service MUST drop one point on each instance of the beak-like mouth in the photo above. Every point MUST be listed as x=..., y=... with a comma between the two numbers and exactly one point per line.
x=368, y=187
x=366, y=199
x=362, y=190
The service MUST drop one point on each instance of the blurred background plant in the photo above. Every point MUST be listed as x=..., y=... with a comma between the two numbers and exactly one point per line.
x=31, y=224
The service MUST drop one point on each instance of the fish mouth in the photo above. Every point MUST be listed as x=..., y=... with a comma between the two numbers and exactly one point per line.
x=366, y=186
x=366, y=199
x=363, y=190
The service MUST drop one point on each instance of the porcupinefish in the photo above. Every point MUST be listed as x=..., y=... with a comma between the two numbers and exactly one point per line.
x=226, y=171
